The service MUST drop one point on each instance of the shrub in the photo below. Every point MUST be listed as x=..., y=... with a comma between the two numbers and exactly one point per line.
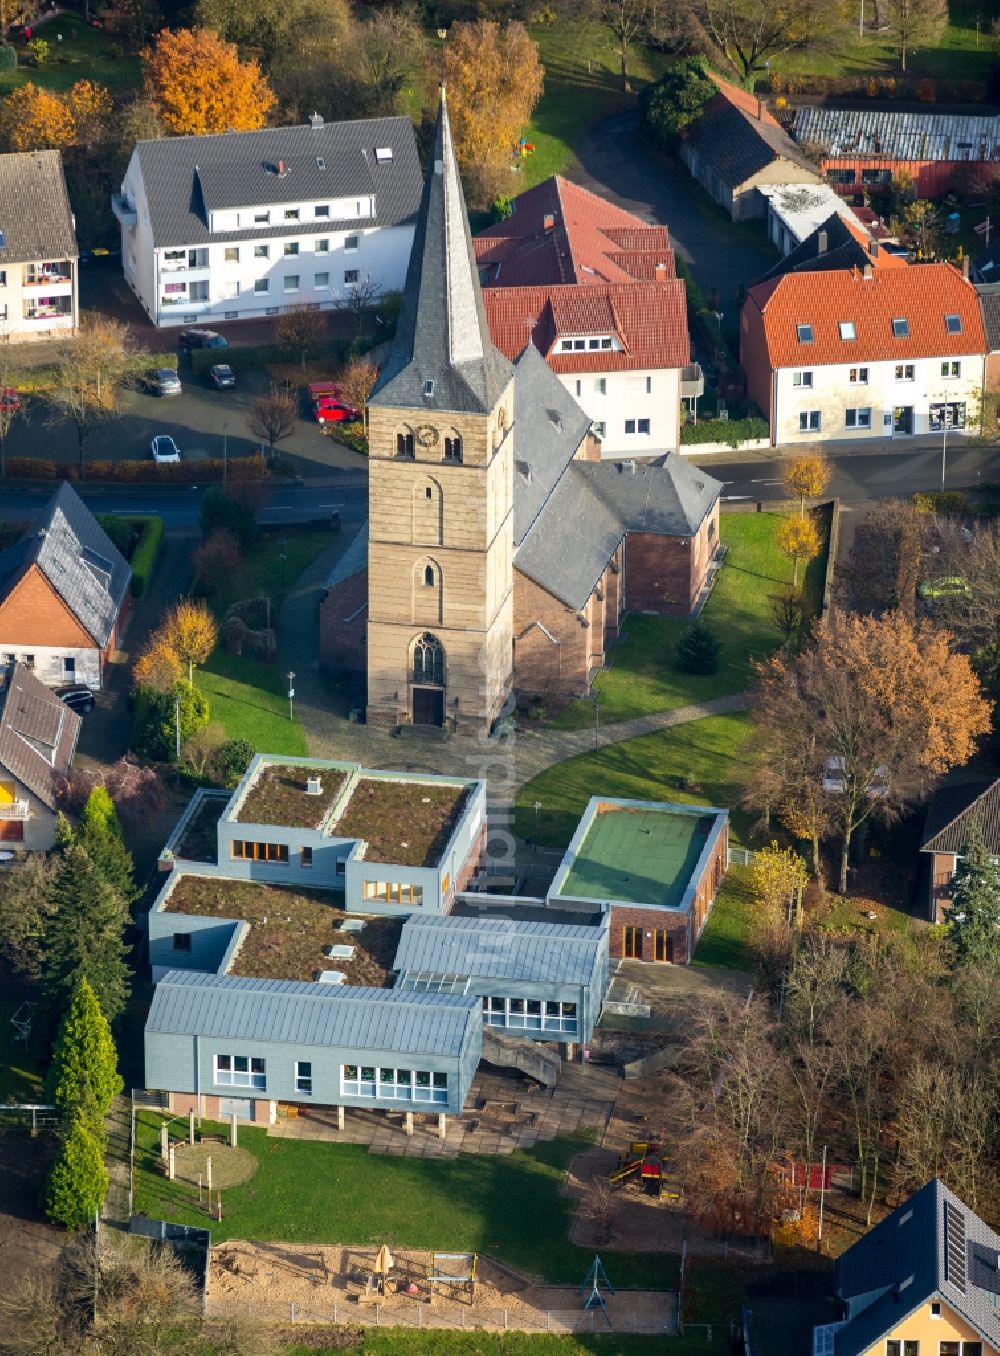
x=729, y=431
x=119, y=530
x=231, y=513
x=78, y=1180
x=232, y=759
x=502, y=207
x=676, y=100
x=217, y=560
x=927, y=92
x=32, y=468
x=154, y=724
x=8, y=57
x=698, y=651
x=948, y=502
x=145, y=553
x=352, y=434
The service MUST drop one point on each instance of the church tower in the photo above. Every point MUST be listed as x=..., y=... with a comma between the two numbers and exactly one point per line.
x=440, y=545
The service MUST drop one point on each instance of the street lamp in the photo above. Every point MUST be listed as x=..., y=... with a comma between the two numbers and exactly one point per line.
x=225, y=452
x=291, y=694
x=282, y=556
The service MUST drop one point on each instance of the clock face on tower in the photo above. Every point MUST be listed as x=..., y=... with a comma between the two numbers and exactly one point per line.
x=427, y=436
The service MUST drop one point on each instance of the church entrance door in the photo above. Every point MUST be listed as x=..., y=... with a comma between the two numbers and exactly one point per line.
x=428, y=706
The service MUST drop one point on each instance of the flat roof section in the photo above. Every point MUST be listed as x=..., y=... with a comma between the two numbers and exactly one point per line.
x=278, y=795
x=405, y=822
x=638, y=856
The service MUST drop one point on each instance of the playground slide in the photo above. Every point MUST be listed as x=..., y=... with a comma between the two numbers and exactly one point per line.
x=620, y=1174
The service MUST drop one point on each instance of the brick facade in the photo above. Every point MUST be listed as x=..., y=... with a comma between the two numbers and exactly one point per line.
x=180, y=1103
x=343, y=625
x=34, y=614
x=943, y=867
x=665, y=574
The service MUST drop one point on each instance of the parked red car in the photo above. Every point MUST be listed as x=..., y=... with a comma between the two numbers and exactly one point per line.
x=10, y=399
x=328, y=407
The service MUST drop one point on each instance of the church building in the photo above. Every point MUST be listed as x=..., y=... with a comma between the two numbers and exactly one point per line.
x=500, y=551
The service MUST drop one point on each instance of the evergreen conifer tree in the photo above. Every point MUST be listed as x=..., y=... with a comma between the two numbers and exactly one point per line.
x=100, y=832
x=78, y=1180
x=84, y=1058
x=974, y=915
x=84, y=938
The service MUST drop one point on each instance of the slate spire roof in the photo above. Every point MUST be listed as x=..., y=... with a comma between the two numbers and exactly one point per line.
x=443, y=357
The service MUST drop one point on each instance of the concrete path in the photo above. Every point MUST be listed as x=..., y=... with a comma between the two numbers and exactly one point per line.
x=507, y=763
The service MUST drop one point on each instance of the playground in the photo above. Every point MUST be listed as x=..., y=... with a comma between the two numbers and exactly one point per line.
x=387, y=1287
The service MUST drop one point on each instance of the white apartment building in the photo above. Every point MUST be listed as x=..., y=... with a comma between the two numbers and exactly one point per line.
x=249, y=224
x=38, y=249
x=864, y=353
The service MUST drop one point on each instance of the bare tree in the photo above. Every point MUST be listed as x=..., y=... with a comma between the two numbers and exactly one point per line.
x=599, y=1207
x=913, y=24
x=360, y=297
x=749, y=32
x=627, y=21
x=886, y=562
x=302, y=329
x=92, y=370
x=273, y=416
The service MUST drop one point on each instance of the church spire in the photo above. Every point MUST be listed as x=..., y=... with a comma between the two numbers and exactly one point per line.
x=443, y=357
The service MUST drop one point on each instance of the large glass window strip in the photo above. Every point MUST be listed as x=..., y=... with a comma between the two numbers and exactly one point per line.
x=394, y=1085
x=241, y=1071
x=529, y=1014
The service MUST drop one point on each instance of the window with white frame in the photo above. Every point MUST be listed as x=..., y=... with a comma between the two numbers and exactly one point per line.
x=600, y=429
x=905, y=371
x=291, y=247
x=262, y=285
x=901, y=327
x=291, y=282
x=322, y=209
x=303, y=1076
x=291, y=214
x=809, y=421
x=198, y=291
x=232, y=254
x=858, y=376
x=241, y=1071
x=636, y=425
x=321, y=281
x=351, y=243
x=951, y=369
x=532, y=1014
x=804, y=334
x=953, y=324
x=262, y=251
x=262, y=218
x=601, y=385
x=394, y=1085
x=230, y=290
x=858, y=418
x=802, y=379
x=905, y=1347
x=351, y=277
x=944, y=414
x=322, y=246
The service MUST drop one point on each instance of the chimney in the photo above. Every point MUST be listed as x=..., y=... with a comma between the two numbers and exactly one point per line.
x=661, y=273
x=873, y=248
x=549, y=222
x=965, y=267
x=315, y=120
x=761, y=110
x=281, y=166
x=869, y=272
x=314, y=787
x=822, y=240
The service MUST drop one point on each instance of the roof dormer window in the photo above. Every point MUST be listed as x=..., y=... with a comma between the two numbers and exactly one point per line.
x=901, y=328
x=847, y=330
x=804, y=334
x=953, y=324
x=383, y=154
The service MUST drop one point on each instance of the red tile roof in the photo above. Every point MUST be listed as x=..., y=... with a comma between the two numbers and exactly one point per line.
x=561, y=233
x=745, y=101
x=650, y=320
x=924, y=294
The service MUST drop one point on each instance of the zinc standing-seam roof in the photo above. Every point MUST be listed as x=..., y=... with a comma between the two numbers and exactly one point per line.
x=310, y=1014
x=499, y=948
x=851, y=133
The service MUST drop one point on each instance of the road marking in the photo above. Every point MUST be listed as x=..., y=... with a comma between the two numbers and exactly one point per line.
x=729, y=498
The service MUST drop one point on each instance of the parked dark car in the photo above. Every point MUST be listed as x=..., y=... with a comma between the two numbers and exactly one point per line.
x=222, y=376
x=77, y=696
x=164, y=382
x=198, y=338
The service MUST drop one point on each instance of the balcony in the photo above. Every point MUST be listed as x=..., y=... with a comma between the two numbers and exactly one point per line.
x=49, y=308
x=124, y=209
x=692, y=381
x=47, y=275
x=15, y=809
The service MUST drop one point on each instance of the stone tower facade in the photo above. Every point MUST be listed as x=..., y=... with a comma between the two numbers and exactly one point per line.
x=441, y=480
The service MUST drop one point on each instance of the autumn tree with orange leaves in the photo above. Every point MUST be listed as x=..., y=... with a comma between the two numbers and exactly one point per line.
x=34, y=119
x=494, y=80
x=197, y=84
x=881, y=705
x=190, y=630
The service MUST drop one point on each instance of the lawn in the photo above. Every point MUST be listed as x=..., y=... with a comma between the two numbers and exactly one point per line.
x=272, y=565
x=507, y=1206
x=724, y=942
x=84, y=53
x=441, y=1342
x=20, y=1066
x=250, y=699
x=702, y=763
x=643, y=678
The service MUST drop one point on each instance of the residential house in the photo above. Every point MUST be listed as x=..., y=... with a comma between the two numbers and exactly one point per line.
x=595, y=290
x=863, y=150
x=737, y=147
x=838, y=242
x=38, y=735
x=500, y=550
x=38, y=250
x=952, y=815
x=989, y=301
x=864, y=353
x=925, y=1281
x=64, y=595
x=795, y=211
x=249, y=224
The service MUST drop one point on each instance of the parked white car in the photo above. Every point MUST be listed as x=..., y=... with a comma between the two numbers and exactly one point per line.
x=164, y=449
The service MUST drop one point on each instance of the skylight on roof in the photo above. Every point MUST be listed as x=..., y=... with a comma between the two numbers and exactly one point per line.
x=847, y=330
x=804, y=333
x=953, y=324
x=901, y=328
x=382, y=154
x=428, y=390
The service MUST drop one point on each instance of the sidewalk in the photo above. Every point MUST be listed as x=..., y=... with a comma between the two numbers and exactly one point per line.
x=835, y=451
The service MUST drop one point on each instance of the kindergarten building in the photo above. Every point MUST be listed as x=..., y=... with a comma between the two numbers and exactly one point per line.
x=319, y=941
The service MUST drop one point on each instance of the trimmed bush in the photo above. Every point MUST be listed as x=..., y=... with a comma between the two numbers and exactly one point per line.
x=232, y=759
x=698, y=651
x=8, y=57
x=729, y=431
x=120, y=531
x=352, y=435
x=146, y=553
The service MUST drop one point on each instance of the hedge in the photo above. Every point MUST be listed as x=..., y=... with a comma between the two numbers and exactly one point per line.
x=731, y=431
x=146, y=552
x=168, y=473
x=244, y=357
x=352, y=435
x=885, y=87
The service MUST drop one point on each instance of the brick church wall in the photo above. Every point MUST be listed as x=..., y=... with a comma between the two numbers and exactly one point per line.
x=343, y=618
x=666, y=574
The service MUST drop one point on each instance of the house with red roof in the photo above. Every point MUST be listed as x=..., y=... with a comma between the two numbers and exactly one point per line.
x=864, y=352
x=595, y=290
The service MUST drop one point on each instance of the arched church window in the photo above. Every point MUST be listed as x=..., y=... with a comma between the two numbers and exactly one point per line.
x=428, y=660
x=453, y=448
x=404, y=443
x=429, y=576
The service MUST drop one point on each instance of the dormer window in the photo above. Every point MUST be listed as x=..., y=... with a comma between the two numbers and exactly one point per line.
x=901, y=328
x=804, y=334
x=847, y=330
x=428, y=390
x=323, y=209
x=291, y=214
x=953, y=324
x=383, y=154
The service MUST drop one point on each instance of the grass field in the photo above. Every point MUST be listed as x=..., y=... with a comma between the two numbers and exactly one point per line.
x=643, y=677
x=508, y=1206
x=83, y=54
x=251, y=702
x=724, y=940
x=264, y=574
x=703, y=763
x=20, y=1068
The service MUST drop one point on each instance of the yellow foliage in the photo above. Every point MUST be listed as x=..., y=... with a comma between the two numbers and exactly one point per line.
x=190, y=630
x=494, y=80
x=806, y=477
x=90, y=107
x=33, y=119
x=799, y=539
x=799, y=1229
x=158, y=666
x=197, y=84
x=776, y=874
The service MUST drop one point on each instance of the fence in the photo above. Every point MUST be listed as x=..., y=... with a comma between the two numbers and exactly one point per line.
x=183, y=1237
x=33, y=1116
x=739, y=856
x=593, y=1320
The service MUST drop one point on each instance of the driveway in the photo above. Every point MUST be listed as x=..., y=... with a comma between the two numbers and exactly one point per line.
x=725, y=255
